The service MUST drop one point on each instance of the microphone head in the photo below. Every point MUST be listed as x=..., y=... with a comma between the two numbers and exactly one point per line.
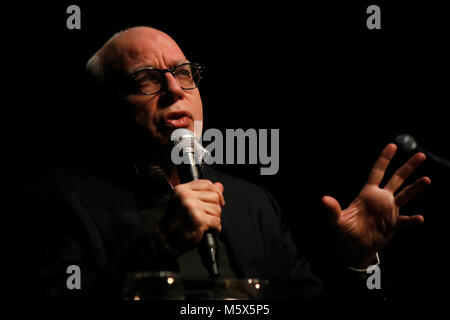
x=406, y=142
x=181, y=134
x=185, y=139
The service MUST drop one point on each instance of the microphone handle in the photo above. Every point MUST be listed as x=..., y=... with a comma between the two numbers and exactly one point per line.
x=207, y=247
x=439, y=160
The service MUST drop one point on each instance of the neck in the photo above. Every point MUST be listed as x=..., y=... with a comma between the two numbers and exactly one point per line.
x=161, y=158
x=147, y=150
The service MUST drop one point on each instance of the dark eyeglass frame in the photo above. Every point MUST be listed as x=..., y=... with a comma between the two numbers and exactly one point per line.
x=164, y=71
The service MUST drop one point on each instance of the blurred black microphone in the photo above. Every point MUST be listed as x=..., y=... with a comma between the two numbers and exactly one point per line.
x=190, y=170
x=409, y=144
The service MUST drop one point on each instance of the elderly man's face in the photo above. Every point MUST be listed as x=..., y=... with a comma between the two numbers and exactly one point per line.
x=172, y=107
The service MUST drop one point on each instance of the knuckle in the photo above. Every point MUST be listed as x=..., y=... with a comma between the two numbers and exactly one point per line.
x=220, y=186
x=210, y=186
x=216, y=197
x=187, y=203
x=215, y=210
x=183, y=193
x=202, y=182
x=178, y=190
x=219, y=225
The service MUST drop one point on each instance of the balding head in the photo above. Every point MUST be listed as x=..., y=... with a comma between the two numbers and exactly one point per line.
x=130, y=49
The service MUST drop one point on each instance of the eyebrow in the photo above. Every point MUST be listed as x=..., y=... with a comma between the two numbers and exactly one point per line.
x=150, y=66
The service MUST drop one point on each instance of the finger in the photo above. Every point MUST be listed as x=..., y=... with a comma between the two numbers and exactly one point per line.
x=212, y=209
x=408, y=222
x=201, y=184
x=220, y=188
x=204, y=184
x=208, y=196
x=379, y=168
x=333, y=207
x=411, y=191
x=214, y=223
x=404, y=172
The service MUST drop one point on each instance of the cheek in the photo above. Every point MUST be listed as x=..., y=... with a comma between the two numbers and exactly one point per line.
x=143, y=111
x=197, y=111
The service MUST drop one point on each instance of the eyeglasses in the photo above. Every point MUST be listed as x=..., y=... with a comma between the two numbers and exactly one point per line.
x=150, y=80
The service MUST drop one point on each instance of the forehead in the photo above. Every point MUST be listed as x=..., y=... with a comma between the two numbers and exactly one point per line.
x=144, y=47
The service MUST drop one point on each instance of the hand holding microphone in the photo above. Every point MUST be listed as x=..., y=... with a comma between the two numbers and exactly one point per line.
x=194, y=214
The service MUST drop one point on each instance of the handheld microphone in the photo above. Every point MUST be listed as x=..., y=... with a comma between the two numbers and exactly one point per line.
x=409, y=144
x=190, y=170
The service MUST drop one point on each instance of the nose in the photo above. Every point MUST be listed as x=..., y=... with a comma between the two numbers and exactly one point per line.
x=171, y=90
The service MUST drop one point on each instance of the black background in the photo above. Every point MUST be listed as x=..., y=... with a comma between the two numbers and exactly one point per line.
x=337, y=91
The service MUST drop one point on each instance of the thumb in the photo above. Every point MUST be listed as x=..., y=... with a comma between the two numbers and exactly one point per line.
x=333, y=207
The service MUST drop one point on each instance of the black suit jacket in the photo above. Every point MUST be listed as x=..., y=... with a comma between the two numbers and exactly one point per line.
x=90, y=218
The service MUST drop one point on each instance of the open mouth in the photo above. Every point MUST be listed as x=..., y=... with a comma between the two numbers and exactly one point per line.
x=177, y=120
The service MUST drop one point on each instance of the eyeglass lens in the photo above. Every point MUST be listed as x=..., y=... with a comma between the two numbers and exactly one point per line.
x=151, y=80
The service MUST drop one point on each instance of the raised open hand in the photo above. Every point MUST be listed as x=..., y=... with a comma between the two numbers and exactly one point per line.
x=373, y=218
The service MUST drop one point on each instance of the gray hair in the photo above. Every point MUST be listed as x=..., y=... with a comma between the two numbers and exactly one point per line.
x=95, y=66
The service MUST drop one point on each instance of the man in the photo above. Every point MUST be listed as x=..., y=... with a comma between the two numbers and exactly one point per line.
x=134, y=214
